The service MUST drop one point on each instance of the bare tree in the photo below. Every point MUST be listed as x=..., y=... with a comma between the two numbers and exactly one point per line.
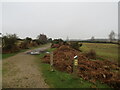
x=92, y=38
x=67, y=39
x=112, y=36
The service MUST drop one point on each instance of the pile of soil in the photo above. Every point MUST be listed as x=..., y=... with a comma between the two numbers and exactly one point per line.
x=92, y=70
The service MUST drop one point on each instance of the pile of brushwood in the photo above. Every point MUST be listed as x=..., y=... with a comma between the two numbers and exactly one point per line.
x=92, y=70
x=55, y=45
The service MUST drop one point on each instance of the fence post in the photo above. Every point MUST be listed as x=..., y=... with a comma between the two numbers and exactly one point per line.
x=51, y=61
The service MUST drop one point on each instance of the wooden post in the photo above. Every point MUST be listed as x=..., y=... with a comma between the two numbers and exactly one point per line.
x=75, y=64
x=51, y=61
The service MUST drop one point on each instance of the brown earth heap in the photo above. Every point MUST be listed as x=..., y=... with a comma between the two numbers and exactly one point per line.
x=92, y=70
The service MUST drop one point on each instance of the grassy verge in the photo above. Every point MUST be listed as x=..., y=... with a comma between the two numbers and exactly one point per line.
x=59, y=79
x=4, y=56
x=8, y=55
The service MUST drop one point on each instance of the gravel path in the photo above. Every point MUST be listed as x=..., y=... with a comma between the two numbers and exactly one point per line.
x=21, y=71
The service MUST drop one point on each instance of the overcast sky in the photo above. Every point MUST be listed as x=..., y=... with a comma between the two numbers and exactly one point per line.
x=77, y=20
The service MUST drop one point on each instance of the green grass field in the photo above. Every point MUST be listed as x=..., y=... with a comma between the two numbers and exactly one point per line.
x=106, y=51
x=59, y=79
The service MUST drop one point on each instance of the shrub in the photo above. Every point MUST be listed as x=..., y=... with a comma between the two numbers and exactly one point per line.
x=76, y=45
x=80, y=44
x=91, y=54
x=57, y=41
x=9, y=43
x=24, y=45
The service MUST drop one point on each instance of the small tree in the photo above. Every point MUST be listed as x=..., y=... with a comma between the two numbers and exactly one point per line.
x=50, y=40
x=28, y=39
x=112, y=36
x=42, y=38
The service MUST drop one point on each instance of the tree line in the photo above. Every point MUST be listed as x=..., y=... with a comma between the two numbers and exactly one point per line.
x=111, y=38
x=12, y=43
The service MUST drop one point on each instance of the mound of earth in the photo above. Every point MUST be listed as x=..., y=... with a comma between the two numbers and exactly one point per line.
x=92, y=70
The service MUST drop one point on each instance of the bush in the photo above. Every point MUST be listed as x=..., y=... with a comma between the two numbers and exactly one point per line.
x=76, y=45
x=91, y=54
x=57, y=41
x=42, y=39
x=80, y=44
x=24, y=45
x=9, y=43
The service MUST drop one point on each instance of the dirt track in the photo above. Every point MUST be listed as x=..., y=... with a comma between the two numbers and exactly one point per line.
x=21, y=71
